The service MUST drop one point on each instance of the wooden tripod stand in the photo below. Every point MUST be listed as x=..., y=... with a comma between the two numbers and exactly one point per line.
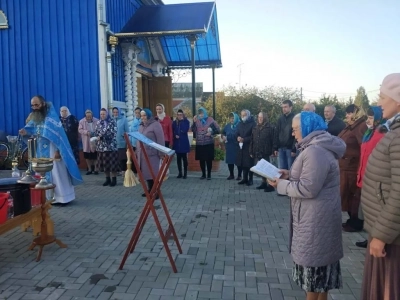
x=151, y=196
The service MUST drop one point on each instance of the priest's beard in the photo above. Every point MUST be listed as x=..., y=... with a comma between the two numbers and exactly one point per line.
x=38, y=115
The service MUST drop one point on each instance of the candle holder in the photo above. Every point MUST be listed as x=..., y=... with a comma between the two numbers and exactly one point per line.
x=28, y=178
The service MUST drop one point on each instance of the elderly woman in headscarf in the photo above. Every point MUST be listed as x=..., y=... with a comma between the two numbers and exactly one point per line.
x=380, y=200
x=107, y=151
x=313, y=186
x=204, y=128
x=375, y=132
x=151, y=129
x=352, y=135
x=71, y=125
x=262, y=145
x=87, y=126
x=243, y=137
x=231, y=145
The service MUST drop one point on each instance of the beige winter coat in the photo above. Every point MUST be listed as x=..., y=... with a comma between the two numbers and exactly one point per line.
x=380, y=196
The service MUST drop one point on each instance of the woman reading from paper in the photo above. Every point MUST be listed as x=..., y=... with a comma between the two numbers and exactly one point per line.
x=313, y=185
x=151, y=129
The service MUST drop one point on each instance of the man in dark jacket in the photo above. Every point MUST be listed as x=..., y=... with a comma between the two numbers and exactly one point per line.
x=335, y=125
x=284, y=141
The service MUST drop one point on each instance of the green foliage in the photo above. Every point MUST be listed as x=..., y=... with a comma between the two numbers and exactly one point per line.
x=361, y=99
x=219, y=154
x=268, y=100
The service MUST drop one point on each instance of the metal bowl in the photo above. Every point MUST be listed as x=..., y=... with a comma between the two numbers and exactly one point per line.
x=42, y=167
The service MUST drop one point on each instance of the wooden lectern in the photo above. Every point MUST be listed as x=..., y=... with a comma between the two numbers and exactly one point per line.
x=151, y=196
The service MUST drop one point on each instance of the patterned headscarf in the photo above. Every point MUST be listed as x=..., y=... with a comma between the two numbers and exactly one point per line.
x=205, y=115
x=107, y=119
x=310, y=122
x=377, y=121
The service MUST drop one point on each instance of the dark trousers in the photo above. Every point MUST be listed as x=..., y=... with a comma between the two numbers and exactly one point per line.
x=179, y=158
x=247, y=174
x=203, y=164
x=231, y=168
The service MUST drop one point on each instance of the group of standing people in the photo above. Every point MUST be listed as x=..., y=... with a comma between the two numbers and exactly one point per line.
x=248, y=141
x=334, y=173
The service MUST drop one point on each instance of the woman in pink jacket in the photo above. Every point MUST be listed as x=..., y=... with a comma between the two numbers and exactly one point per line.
x=86, y=129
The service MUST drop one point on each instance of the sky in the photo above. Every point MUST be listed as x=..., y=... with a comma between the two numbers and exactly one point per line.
x=330, y=46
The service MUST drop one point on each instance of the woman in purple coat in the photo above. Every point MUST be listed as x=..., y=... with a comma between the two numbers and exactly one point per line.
x=313, y=184
x=152, y=129
x=181, y=145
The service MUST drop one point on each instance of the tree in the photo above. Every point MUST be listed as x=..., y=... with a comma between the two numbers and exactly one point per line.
x=361, y=99
x=269, y=100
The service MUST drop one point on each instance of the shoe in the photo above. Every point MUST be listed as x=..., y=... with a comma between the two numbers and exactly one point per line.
x=179, y=176
x=239, y=178
x=89, y=172
x=362, y=244
x=184, y=175
x=202, y=177
x=107, y=182
x=113, y=181
x=243, y=181
x=262, y=186
x=144, y=195
x=269, y=189
x=230, y=177
x=96, y=173
x=209, y=178
x=249, y=183
x=349, y=228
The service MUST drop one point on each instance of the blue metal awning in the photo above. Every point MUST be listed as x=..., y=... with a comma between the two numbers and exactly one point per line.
x=173, y=24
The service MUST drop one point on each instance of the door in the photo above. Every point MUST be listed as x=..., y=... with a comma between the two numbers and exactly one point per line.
x=160, y=91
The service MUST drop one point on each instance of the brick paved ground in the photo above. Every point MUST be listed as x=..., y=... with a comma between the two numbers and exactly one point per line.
x=234, y=242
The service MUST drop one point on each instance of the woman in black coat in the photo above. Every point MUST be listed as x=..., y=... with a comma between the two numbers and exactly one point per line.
x=243, y=135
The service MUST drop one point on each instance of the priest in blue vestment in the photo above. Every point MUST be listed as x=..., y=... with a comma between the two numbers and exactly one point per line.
x=52, y=142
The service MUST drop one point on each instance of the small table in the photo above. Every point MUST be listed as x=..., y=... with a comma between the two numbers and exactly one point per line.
x=44, y=238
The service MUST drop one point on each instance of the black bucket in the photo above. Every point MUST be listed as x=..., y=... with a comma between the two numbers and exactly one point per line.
x=21, y=194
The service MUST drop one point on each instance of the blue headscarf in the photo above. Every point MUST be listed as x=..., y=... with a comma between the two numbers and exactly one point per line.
x=148, y=112
x=377, y=121
x=236, y=120
x=205, y=115
x=310, y=122
x=120, y=114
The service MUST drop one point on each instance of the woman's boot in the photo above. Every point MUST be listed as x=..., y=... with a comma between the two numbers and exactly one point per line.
x=107, y=182
x=263, y=185
x=113, y=181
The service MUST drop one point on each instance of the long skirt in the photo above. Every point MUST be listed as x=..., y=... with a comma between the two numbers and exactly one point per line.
x=318, y=279
x=381, y=279
x=108, y=161
x=349, y=193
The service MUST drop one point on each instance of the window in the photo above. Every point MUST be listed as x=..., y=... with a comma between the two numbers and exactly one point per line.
x=3, y=20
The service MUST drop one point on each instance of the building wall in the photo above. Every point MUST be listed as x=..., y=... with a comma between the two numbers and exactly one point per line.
x=50, y=49
x=118, y=14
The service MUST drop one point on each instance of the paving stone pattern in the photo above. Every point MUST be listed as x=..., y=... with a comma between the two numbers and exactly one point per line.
x=234, y=241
